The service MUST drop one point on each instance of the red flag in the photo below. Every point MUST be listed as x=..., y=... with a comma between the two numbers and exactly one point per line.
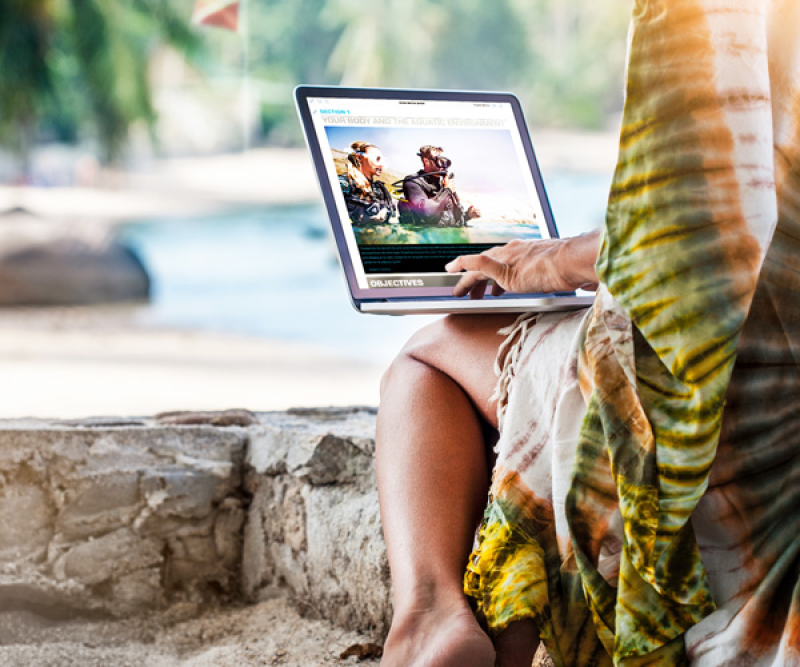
x=220, y=13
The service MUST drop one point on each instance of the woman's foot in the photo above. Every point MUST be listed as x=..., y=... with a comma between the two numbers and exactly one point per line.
x=433, y=637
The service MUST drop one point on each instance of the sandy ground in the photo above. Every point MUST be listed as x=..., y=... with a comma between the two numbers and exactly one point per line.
x=178, y=187
x=187, y=635
x=102, y=361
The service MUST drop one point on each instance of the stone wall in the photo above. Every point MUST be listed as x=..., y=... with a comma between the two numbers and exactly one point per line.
x=121, y=516
x=313, y=523
x=124, y=516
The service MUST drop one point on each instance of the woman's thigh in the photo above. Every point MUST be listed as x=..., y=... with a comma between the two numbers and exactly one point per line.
x=463, y=347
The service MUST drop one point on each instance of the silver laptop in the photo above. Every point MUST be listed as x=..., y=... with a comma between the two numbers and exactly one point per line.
x=414, y=178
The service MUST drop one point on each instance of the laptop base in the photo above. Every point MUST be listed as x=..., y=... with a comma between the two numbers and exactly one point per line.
x=517, y=305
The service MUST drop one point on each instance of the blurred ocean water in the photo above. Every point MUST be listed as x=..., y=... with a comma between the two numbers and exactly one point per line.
x=273, y=272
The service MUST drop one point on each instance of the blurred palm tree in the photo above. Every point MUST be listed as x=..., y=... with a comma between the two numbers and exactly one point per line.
x=385, y=43
x=576, y=60
x=78, y=68
x=565, y=58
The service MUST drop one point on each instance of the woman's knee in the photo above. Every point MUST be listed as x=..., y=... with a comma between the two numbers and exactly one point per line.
x=460, y=347
x=452, y=337
x=408, y=360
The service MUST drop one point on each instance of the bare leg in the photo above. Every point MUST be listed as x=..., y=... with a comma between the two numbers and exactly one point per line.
x=516, y=645
x=433, y=477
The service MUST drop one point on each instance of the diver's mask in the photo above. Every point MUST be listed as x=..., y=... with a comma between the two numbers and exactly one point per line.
x=442, y=163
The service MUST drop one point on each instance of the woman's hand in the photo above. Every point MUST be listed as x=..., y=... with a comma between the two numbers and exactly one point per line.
x=551, y=265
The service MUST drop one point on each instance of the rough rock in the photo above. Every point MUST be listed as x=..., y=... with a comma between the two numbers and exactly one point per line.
x=313, y=523
x=120, y=519
x=542, y=658
x=48, y=262
x=215, y=418
x=125, y=516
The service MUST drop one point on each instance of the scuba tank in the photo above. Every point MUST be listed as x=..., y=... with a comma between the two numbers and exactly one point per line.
x=363, y=211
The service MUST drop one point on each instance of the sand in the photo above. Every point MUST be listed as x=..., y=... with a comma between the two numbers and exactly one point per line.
x=269, y=633
x=106, y=360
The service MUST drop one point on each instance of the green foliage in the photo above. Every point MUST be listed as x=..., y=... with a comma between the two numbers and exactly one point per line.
x=564, y=58
x=481, y=46
x=25, y=78
x=78, y=68
x=576, y=60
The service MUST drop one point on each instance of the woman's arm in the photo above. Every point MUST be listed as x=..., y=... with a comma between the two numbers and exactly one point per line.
x=552, y=265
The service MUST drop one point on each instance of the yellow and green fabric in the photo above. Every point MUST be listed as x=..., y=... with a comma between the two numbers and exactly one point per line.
x=645, y=507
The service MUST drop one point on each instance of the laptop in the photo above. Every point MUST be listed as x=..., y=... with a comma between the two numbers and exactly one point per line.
x=449, y=173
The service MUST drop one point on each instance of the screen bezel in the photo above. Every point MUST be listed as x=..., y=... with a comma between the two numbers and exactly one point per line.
x=302, y=94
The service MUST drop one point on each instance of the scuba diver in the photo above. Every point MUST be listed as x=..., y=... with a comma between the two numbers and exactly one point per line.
x=429, y=198
x=368, y=199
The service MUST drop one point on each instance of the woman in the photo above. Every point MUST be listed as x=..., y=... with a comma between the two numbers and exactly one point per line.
x=368, y=199
x=644, y=506
x=432, y=469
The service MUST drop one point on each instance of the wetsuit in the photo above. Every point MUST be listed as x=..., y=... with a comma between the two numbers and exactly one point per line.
x=374, y=207
x=428, y=202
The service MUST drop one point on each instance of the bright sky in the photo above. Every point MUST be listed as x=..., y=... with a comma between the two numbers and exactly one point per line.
x=484, y=160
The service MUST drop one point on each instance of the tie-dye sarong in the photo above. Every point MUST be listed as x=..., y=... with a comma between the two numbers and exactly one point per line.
x=645, y=505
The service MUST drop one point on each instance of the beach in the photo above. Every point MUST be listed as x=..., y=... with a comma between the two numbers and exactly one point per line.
x=70, y=362
x=73, y=362
x=272, y=632
x=100, y=361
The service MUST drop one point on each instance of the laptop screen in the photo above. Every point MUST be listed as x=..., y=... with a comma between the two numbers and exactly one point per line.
x=418, y=182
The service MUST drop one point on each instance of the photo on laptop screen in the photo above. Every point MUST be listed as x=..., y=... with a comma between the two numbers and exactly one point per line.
x=418, y=183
